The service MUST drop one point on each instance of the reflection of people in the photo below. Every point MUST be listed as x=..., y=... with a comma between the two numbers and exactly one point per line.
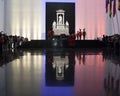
x=60, y=19
x=112, y=78
x=83, y=59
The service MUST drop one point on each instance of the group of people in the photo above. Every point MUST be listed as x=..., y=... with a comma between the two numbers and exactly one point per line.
x=8, y=42
x=112, y=41
x=81, y=34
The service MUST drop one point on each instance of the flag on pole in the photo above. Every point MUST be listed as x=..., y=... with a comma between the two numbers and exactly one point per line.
x=114, y=8
x=119, y=5
x=107, y=3
x=110, y=8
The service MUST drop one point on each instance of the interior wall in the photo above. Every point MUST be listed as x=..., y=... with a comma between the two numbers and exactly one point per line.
x=1, y=15
x=27, y=18
x=90, y=14
x=24, y=18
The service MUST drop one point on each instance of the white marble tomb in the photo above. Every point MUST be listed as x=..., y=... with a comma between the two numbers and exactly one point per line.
x=60, y=25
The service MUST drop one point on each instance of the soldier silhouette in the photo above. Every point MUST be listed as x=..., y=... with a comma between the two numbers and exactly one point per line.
x=84, y=34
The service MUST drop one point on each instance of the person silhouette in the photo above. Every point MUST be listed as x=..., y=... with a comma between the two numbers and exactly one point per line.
x=84, y=34
x=80, y=34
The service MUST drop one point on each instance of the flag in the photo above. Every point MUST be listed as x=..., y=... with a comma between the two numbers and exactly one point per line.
x=114, y=8
x=107, y=2
x=119, y=5
x=110, y=8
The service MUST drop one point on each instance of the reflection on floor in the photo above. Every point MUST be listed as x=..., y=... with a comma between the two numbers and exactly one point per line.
x=60, y=72
x=60, y=68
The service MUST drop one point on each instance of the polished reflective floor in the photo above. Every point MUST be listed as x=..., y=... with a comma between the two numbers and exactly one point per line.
x=60, y=72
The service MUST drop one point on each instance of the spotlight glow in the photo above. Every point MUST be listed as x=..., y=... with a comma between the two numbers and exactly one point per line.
x=1, y=15
x=27, y=18
x=24, y=18
x=90, y=15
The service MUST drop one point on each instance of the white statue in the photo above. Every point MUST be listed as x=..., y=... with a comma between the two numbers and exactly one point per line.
x=54, y=25
x=67, y=24
x=60, y=19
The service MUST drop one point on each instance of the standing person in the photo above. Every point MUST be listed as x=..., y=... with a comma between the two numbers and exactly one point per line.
x=84, y=34
x=50, y=34
x=77, y=35
x=80, y=34
x=1, y=43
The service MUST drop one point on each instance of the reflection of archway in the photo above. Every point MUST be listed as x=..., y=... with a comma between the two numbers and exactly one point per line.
x=59, y=68
x=60, y=64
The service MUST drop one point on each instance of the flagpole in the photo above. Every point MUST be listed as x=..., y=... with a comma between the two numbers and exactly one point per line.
x=117, y=22
x=113, y=25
